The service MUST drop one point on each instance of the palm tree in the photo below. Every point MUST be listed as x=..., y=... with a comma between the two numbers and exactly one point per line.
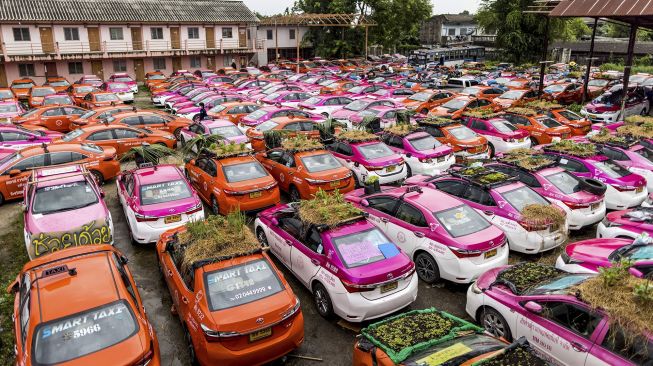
x=202, y=141
x=147, y=153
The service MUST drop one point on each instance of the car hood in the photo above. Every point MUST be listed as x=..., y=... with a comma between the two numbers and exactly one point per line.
x=601, y=108
x=594, y=250
x=92, y=217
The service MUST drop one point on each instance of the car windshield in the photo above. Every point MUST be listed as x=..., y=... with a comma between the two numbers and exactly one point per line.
x=227, y=131
x=84, y=89
x=559, y=285
x=5, y=94
x=63, y=197
x=356, y=89
x=272, y=96
x=241, y=284
x=612, y=169
x=512, y=95
x=598, y=82
x=375, y=150
x=244, y=171
x=156, y=77
x=88, y=114
x=152, y=194
x=319, y=163
x=22, y=85
x=424, y=143
x=365, y=247
x=420, y=97
x=59, y=83
x=63, y=99
x=83, y=333
x=522, y=197
x=72, y=135
x=570, y=115
x=454, y=104
x=609, y=98
x=41, y=92
x=503, y=126
x=267, y=125
x=114, y=86
x=462, y=133
x=125, y=79
x=257, y=114
x=312, y=101
x=356, y=105
x=461, y=221
x=554, y=88
x=8, y=108
x=106, y=98
x=217, y=109
x=565, y=182
x=549, y=122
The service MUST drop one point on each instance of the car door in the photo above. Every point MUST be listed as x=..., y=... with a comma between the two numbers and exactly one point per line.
x=71, y=113
x=207, y=174
x=194, y=173
x=125, y=139
x=179, y=284
x=12, y=187
x=563, y=331
x=55, y=119
x=616, y=347
x=381, y=210
x=406, y=228
x=283, y=237
x=307, y=256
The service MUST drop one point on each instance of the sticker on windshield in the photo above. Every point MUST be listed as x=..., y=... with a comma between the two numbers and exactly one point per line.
x=444, y=355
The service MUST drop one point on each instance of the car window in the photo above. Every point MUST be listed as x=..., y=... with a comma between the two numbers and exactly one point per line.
x=295, y=126
x=124, y=276
x=636, y=349
x=343, y=149
x=24, y=303
x=163, y=192
x=453, y=187
x=314, y=241
x=461, y=221
x=572, y=165
x=72, y=111
x=53, y=112
x=614, y=154
x=572, y=317
x=394, y=141
x=101, y=136
x=375, y=150
x=30, y=163
x=132, y=121
x=411, y=215
x=210, y=168
x=522, y=197
x=364, y=247
x=386, y=205
x=434, y=131
x=122, y=133
x=319, y=163
x=478, y=195
x=13, y=136
x=478, y=125
x=611, y=168
x=565, y=182
x=292, y=226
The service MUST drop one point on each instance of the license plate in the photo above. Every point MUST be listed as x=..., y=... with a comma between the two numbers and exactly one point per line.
x=260, y=334
x=391, y=168
x=389, y=287
x=594, y=206
x=639, y=189
x=255, y=194
x=171, y=219
x=491, y=253
x=335, y=183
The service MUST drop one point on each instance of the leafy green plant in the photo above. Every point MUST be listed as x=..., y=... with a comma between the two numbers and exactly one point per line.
x=273, y=138
x=200, y=142
x=482, y=113
x=356, y=136
x=616, y=273
x=494, y=177
x=328, y=209
x=328, y=128
x=401, y=332
x=573, y=148
x=400, y=129
x=517, y=356
x=575, y=108
x=524, y=276
x=372, y=179
x=542, y=215
x=522, y=111
x=148, y=153
x=301, y=143
x=644, y=292
x=543, y=105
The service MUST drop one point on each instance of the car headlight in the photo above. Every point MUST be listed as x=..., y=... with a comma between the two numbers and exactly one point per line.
x=475, y=289
x=567, y=259
x=170, y=137
x=607, y=223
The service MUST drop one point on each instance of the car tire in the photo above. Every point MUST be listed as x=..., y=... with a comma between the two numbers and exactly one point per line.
x=593, y=186
x=260, y=236
x=99, y=178
x=495, y=324
x=490, y=149
x=2, y=199
x=192, y=356
x=534, y=142
x=322, y=301
x=357, y=183
x=293, y=192
x=215, y=207
x=177, y=134
x=427, y=268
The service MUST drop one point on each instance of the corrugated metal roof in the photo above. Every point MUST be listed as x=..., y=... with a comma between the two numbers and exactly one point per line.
x=137, y=11
x=603, y=8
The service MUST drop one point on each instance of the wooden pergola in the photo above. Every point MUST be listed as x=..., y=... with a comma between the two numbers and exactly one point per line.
x=317, y=20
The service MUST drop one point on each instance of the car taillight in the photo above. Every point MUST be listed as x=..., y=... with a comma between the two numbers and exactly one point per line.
x=215, y=336
x=575, y=206
x=624, y=188
x=197, y=208
x=292, y=311
x=144, y=218
x=426, y=160
x=463, y=253
x=372, y=168
x=147, y=358
x=352, y=287
x=509, y=139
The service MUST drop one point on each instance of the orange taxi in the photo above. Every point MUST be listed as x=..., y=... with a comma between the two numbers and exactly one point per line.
x=17, y=167
x=338, y=87
x=60, y=84
x=232, y=111
x=21, y=87
x=455, y=107
x=515, y=97
x=230, y=178
x=81, y=306
x=154, y=77
x=543, y=129
x=120, y=137
x=289, y=126
x=153, y=120
x=99, y=99
x=6, y=95
x=424, y=101
x=234, y=305
x=55, y=118
x=465, y=143
x=79, y=91
x=579, y=126
x=481, y=91
x=37, y=93
x=302, y=167
x=97, y=115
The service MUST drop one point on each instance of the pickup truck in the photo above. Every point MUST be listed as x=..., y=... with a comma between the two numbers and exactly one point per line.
x=459, y=84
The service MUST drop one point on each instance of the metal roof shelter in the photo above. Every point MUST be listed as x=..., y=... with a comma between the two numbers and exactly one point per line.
x=318, y=20
x=636, y=13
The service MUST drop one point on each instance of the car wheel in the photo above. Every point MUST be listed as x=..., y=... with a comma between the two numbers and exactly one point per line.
x=99, y=178
x=495, y=324
x=534, y=142
x=215, y=208
x=177, y=134
x=322, y=301
x=2, y=199
x=490, y=148
x=357, y=183
x=191, y=349
x=426, y=267
x=293, y=192
x=260, y=235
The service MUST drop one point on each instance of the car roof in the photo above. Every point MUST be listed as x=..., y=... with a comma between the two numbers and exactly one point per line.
x=430, y=199
x=286, y=119
x=33, y=150
x=216, y=123
x=158, y=174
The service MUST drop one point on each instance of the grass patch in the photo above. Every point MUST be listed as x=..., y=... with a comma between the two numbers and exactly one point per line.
x=528, y=159
x=356, y=136
x=401, y=129
x=221, y=151
x=301, y=143
x=637, y=119
x=606, y=137
x=640, y=131
x=328, y=209
x=573, y=148
x=13, y=257
x=541, y=215
x=522, y=111
x=543, y=105
x=519, y=355
x=482, y=113
x=524, y=276
x=437, y=121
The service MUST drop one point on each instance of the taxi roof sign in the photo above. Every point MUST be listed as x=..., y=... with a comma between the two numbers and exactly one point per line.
x=60, y=170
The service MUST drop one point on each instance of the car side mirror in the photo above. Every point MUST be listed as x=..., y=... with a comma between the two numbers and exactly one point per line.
x=142, y=136
x=102, y=194
x=13, y=287
x=274, y=221
x=488, y=213
x=14, y=172
x=636, y=272
x=365, y=203
x=533, y=307
x=170, y=247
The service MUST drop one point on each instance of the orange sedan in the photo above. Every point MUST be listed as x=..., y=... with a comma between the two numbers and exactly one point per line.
x=338, y=87
x=489, y=92
x=302, y=171
x=153, y=120
x=99, y=99
x=79, y=91
x=81, y=306
x=16, y=168
x=579, y=126
x=97, y=115
x=232, y=111
x=36, y=95
x=455, y=107
x=514, y=98
x=424, y=101
x=55, y=118
x=21, y=88
x=542, y=129
x=465, y=143
x=289, y=126
x=6, y=95
x=120, y=137
x=154, y=77
x=232, y=180
x=60, y=84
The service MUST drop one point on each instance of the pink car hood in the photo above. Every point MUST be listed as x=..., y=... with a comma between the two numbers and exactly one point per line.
x=58, y=223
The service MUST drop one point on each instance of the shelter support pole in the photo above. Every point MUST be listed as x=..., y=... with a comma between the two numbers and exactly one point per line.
x=544, y=62
x=297, y=38
x=366, y=43
x=627, y=69
x=589, y=64
x=276, y=43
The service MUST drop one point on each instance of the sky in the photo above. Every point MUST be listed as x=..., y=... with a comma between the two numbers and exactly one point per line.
x=269, y=7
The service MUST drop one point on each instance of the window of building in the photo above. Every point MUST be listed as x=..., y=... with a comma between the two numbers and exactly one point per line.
x=195, y=62
x=71, y=34
x=452, y=31
x=463, y=31
x=21, y=34
x=270, y=36
x=292, y=34
x=227, y=33
x=120, y=65
x=115, y=34
x=157, y=33
x=26, y=70
x=75, y=68
x=193, y=33
x=159, y=63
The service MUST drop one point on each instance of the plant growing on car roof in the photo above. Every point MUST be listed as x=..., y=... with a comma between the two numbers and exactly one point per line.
x=543, y=105
x=512, y=356
x=327, y=209
x=494, y=177
x=301, y=143
x=328, y=128
x=528, y=159
x=644, y=291
x=401, y=129
x=227, y=150
x=638, y=120
x=543, y=214
x=356, y=136
x=637, y=131
x=437, y=121
x=200, y=142
x=147, y=153
x=573, y=148
x=616, y=273
x=481, y=113
x=522, y=111
x=273, y=138
x=524, y=276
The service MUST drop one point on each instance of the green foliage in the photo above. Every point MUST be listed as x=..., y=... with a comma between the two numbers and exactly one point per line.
x=524, y=276
x=575, y=108
x=149, y=153
x=620, y=67
x=372, y=179
x=616, y=273
x=401, y=332
x=328, y=209
x=195, y=145
x=644, y=292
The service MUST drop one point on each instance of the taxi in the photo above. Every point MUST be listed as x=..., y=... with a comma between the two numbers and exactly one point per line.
x=103, y=317
x=154, y=77
x=120, y=137
x=36, y=95
x=153, y=120
x=97, y=115
x=79, y=91
x=456, y=107
x=232, y=111
x=424, y=101
x=6, y=95
x=290, y=126
x=543, y=129
x=99, y=99
x=21, y=88
x=54, y=118
x=60, y=84
x=466, y=143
